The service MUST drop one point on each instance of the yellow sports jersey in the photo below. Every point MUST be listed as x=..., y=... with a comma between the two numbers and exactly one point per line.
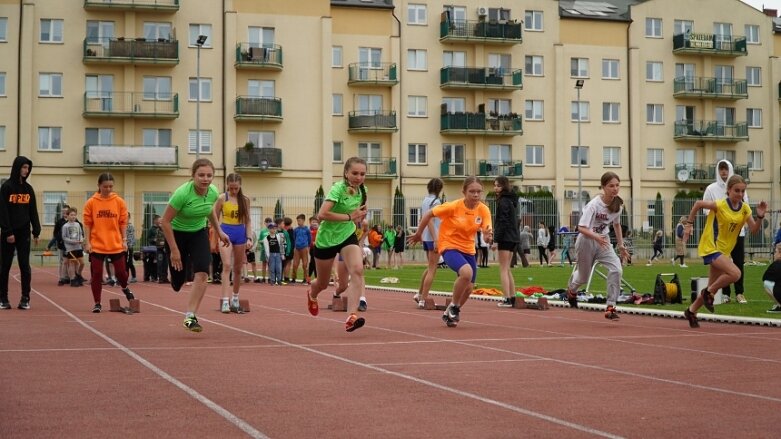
x=722, y=228
x=230, y=213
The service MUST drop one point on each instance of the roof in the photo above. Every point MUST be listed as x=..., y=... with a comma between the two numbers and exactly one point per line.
x=611, y=10
x=381, y=4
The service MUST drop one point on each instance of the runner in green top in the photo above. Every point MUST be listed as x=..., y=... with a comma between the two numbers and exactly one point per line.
x=344, y=205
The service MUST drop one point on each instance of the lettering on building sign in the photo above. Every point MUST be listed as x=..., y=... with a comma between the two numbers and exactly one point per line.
x=701, y=41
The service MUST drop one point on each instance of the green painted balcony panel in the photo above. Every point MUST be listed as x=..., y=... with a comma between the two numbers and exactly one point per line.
x=131, y=104
x=132, y=5
x=457, y=170
x=700, y=173
x=493, y=78
x=481, y=124
x=375, y=74
x=480, y=32
x=495, y=168
x=710, y=88
x=710, y=131
x=130, y=51
x=254, y=56
x=259, y=159
x=255, y=108
x=372, y=121
x=136, y=157
x=709, y=44
x=381, y=167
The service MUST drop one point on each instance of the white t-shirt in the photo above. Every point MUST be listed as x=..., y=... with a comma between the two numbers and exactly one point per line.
x=429, y=202
x=597, y=217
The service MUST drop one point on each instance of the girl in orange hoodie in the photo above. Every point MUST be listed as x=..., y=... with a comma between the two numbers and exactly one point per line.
x=105, y=229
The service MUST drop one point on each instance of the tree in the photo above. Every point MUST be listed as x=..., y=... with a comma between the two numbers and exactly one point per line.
x=278, y=211
x=319, y=198
x=147, y=223
x=657, y=220
x=398, y=209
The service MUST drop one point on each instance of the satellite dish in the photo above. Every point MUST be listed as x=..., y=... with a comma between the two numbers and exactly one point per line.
x=683, y=175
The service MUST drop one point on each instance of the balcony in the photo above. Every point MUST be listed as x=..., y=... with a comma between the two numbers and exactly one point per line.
x=487, y=78
x=456, y=170
x=481, y=124
x=262, y=58
x=132, y=5
x=709, y=44
x=254, y=109
x=135, y=157
x=495, y=168
x=372, y=121
x=379, y=168
x=373, y=75
x=710, y=131
x=130, y=51
x=699, y=173
x=479, y=32
x=710, y=88
x=131, y=104
x=259, y=159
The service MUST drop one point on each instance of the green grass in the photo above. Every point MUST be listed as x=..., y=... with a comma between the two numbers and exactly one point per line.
x=642, y=278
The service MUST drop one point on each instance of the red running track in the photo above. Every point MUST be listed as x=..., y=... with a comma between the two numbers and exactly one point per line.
x=278, y=372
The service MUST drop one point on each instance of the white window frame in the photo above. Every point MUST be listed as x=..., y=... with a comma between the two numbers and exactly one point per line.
x=453, y=58
x=196, y=30
x=156, y=83
x=654, y=158
x=262, y=139
x=55, y=28
x=2, y=137
x=417, y=59
x=417, y=154
x=417, y=106
x=608, y=67
x=52, y=199
x=417, y=14
x=611, y=112
x=583, y=156
x=2, y=83
x=49, y=138
x=337, y=57
x=535, y=155
x=754, y=76
x=755, y=160
x=3, y=29
x=156, y=30
x=611, y=156
x=370, y=151
x=754, y=117
x=104, y=136
x=206, y=141
x=534, y=61
x=534, y=110
x=578, y=67
x=414, y=218
x=654, y=114
x=337, y=153
x=653, y=27
x=158, y=201
x=48, y=84
x=681, y=27
x=583, y=108
x=725, y=154
x=261, y=88
x=204, y=91
x=654, y=71
x=156, y=134
x=337, y=104
x=533, y=21
x=752, y=34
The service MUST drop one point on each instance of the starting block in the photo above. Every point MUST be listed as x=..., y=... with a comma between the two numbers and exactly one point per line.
x=339, y=304
x=115, y=306
x=430, y=305
x=520, y=303
x=243, y=306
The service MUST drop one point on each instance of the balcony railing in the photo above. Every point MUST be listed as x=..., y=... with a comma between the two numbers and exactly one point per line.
x=709, y=44
x=132, y=5
x=136, y=157
x=699, y=173
x=713, y=88
x=380, y=74
x=481, y=32
x=457, y=170
x=710, y=131
x=131, y=51
x=254, y=56
x=131, y=104
x=481, y=77
x=481, y=124
x=495, y=168
x=381, y=167
x=254, y=108
x=259, y=159
x=372, y=121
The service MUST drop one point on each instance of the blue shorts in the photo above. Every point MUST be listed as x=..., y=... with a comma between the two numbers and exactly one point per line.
x=456, y=259
x=710, y=258
x=237, y=233
x=428, y=246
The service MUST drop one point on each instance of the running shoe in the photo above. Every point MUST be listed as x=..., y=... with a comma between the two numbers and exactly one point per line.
x=191, y=324
x=235, y=302
x=572, y=298
x=507, y=302
x=453, y=312
x=24, y=304
x=707, y=299
x=416, y=297
x=96, y=309
x=773, y=310
x=421, y=304
x=225, y=307
x=362, y=305
x=128, y=294
x=312, y=304
x=692, y=318
x=741, y=299
x=610, y=313
x=353, y=322
x=5, y=305
x=448, y=321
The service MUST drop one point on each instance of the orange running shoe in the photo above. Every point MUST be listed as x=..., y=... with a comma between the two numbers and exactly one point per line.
x=312, y=304
x=353, y=322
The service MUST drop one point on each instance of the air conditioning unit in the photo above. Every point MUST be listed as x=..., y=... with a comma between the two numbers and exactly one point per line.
x=482, y=11
x=570, y=195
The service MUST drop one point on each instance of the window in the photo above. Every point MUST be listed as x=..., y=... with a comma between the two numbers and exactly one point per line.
x=416, y=154
x=752, y=34
x=157, y=88
x=52, y=203
x=610, y=112
x=261, y=36
x=369, y=105
x=370, y=151
x=453, y=155
x=156, y=202
x=49, y=139
x=336, y=56
x=337, y=153
x=50, y=85
x=416, y=106
x=414, y=217
x=260, y=88
x=533, y=21
x=535, y=155
x=453, y=105
x=755, y=160
x=610, y=69
x=99, y=32
x=754, y=117
x=611, y=156
x=653, y=71
x=154, y=31
x=654, y=113
x=453, y=59
x=2, y=83
x=681, y=27
x=534, y=110
x=205, y=90
x=534, y=66
x=99, y=136
x=578, y=68
x=499, y=63
x=370, y=57
x=583, y=152
x=3, y=28
x=498, y=14
x=197, y=30
x=156, y=137
x=754, y=76
x=416, y=59
x=685, y=157
x=262, y=139
x=337, y=108
x=416, y=14
x=499, y=107
x=655, y=158
x=580, y=111
x=725, y=155
x=498, y=154
x=2, y=137
x=51, y=31
x=206, y=141
x=653, y=27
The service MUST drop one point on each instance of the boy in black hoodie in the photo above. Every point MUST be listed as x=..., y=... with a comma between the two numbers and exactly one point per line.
x=18, y=215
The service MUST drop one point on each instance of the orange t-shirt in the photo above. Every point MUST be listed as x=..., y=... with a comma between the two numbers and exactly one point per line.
x=105, y=217
x=459, y=225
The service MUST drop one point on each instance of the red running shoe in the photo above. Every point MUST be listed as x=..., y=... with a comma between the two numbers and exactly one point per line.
x=707, y=299
x=353, y=322
x=610, y=313
x=312, y=304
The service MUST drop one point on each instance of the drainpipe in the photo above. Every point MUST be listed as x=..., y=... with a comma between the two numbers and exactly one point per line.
x=224, y=75
x=401, y=100
x=19, y=83
x=629, y=112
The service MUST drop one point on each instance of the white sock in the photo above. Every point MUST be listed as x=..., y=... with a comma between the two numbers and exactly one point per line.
x=189, y=314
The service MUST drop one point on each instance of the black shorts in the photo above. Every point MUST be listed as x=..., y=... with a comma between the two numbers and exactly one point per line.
x=194, y=249
x=250, y=257
x=507, y=246
x=74, y=254
x=331, y=252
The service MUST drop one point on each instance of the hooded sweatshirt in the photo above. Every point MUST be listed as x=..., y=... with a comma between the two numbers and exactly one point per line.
x=105, y=218
x=718, y=189
x=18, y=208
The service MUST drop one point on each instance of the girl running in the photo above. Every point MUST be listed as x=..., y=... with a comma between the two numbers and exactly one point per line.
x=506, y=235
x=429, y=236
x=233, y=209
x=461, y=219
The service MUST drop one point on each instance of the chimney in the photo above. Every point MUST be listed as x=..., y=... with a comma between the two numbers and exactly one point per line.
x=770, y=12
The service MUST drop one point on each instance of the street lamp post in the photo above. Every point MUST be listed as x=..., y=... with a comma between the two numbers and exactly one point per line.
x=198, y=43
x=578, y=86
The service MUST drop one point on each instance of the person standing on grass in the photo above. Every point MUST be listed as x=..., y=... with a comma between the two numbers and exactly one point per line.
x=429, y=237
x=593, y=243
x=542, y=243
x=105, y=229
x=398, y=247
x=524, y=246
x=680, y=248
x=375, y=243
x=18, y=217
x=460, y=221
x=232, y=209
x=657, y=246
x=344, y=206
x=184, y=226
x=726, y=217
x=771, y=280
x=506, y=236
x=566, y=244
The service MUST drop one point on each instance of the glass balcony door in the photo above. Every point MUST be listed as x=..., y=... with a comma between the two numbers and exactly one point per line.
x=453, y=155
x=100, y=89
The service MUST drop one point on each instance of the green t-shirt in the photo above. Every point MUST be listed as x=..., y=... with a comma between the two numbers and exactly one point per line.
x=332, y=233
x=192, y=209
